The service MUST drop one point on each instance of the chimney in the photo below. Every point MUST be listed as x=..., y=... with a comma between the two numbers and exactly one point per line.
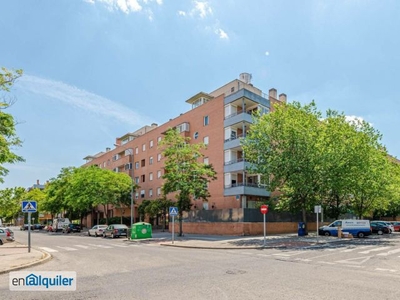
x=37, y=181
x=282, y=97
x=108, y=149
x=273, y=93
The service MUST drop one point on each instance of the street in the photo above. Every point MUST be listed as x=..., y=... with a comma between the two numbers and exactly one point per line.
x=117, y=269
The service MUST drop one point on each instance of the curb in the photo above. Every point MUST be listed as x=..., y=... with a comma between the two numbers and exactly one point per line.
x=217, y=248
x=45, y=257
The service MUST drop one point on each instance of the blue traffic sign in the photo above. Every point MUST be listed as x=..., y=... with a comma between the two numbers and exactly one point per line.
x=173, y=211
x=29, y=206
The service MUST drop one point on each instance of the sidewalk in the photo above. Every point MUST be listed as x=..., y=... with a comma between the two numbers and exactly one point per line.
x=286, y=241
x=14, y=256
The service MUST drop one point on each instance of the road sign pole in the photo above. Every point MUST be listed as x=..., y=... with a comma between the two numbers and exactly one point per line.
x=317, y=227
x=173, y=228
x=265, y=232
x=29, y=232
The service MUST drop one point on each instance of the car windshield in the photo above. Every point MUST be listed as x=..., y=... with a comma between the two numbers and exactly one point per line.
x=120, y=226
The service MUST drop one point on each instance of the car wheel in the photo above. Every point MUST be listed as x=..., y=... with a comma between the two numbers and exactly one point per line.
x=88, y=233
x=1, y=242
x=104, y=235
x=95, y=234
x=327, y=233
x=360, y=234
x=380, y=232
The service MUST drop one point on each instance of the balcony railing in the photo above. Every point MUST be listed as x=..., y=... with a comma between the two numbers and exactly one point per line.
x=234, y=161
x=256, y=185
x=238, y=113
x=232, y=138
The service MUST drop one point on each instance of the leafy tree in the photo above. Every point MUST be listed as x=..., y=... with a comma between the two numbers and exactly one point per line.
x=38, y=196
x=283, y=147
x=142, y=208
x=10, y=203
x=184, y=174
x=8, y=135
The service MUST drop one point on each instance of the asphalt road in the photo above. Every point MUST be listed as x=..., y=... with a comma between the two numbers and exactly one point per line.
x=114, y=269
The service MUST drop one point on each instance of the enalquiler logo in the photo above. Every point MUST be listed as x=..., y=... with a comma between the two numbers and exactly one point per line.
x=43, y=281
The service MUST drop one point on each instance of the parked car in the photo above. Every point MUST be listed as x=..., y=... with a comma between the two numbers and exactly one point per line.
x=71, y=228
x=396, y=225
x=6, y=235
x=38, y=226
x=115, y=230
x=379, y=228
x=26, y=227
x=97, y=230
x=358, y=228
x=388, y=224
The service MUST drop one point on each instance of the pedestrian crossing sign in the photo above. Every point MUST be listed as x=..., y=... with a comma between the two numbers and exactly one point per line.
x=29, y=206
x=173, y=211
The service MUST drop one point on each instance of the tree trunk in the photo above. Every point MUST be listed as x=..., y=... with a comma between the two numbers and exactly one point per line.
x=180, y=223
x=106, y=213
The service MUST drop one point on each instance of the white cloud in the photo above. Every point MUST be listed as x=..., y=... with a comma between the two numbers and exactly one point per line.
x=202, y=9
x=266, y=53
x=222, y=34
x=126, y=6
x=181, y=13
x=82, y=99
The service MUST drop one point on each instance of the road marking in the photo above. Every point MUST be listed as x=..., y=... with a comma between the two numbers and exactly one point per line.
x=389, y=252
x=246, y=253
x=263, y=255
x=374, y=249
x=386, y=270
x=326, y=262
x=117, y=245
x=67, y=248
x=287, y=254
x=357, y=260
x=357, y=248
x=302, y=259
x=100, y=246
x=48, y=249
x=82, y=246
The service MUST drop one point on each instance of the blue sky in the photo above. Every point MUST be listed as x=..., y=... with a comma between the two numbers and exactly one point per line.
x=97, y=69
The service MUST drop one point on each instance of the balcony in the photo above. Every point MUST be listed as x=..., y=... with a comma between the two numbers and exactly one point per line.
x=247, y=94
x=238, y=117
x=233, y=142
x=241, y=188
x=236, y=165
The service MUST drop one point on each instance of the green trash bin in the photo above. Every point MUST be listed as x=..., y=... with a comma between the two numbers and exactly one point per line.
x=141, y=230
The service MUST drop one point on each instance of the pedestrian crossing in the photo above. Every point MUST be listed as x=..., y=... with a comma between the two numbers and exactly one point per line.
x=90, y=246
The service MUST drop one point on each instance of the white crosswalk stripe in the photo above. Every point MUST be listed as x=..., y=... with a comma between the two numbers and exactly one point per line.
x=83, y=246
x=374, y=250
x=389, y=252
x=48, y=249
x=100, y=246
x=118, y=245
x=357, y=248
x=67, y=248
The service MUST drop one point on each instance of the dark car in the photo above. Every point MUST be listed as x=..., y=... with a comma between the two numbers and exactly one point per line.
x=379, y=228
x=38, y=226
x=26, y=227
x=115, y=230
x=72, y=228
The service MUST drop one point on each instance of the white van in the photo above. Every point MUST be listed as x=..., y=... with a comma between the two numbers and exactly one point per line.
x=59, y=223
x=358, y=228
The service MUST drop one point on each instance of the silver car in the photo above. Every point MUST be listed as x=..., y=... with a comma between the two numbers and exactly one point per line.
x=97, y=230
x=6, y=235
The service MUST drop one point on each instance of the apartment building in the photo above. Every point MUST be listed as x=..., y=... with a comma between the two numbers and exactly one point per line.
x=218, y=119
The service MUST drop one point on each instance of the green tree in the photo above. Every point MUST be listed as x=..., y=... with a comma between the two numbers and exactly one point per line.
x=8, y=135
x=10, y=203
x=38, y=196
x=283, y=147
x=184, y=174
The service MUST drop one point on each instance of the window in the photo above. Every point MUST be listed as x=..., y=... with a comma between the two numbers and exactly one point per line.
x=159, y=174
x=158, y=156
x=151, y=160
x=142, y=193
x=136, y=195
x=158, y=191
x=159, y=139
x=136, y=180
x=143, y=178
x=205, y=140
x=108, y=162
x=196, y=135
x=143, y=162
x=151, y=144
x=137, y=165
x=115, y=170
x=104, y=164
x=150, y=193
x=115, y=157
x=205, y=160
x=137, y=150
x=128, y=166
x=232, y=89
x=144, y=147
x=151, y=176
x=205, y=121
